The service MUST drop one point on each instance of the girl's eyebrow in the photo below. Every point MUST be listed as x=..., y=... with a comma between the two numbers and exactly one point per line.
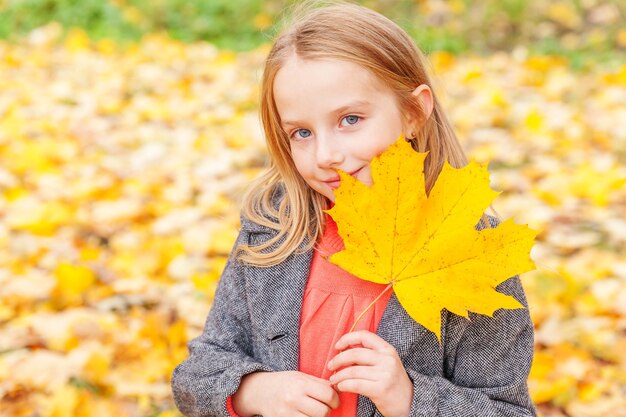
x=338, y=110
x=356, y=103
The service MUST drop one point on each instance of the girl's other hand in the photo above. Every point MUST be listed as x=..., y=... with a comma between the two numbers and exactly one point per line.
x=284, y=394
x=372, y=367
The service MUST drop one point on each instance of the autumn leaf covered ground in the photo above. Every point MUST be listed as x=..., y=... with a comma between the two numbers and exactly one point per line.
x=121, y=169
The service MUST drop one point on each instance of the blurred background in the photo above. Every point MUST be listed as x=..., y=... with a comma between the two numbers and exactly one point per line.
x=129, y=130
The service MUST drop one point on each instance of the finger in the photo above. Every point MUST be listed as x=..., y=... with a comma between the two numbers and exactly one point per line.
x=354, y=356
x=367, y=373
x=324, y=393
x=316, y=379
x=359, y=386
x=366, y=339
x=313, y=408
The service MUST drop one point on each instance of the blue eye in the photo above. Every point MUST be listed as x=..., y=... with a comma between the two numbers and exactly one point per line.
x=351, y=119
x=304, y=133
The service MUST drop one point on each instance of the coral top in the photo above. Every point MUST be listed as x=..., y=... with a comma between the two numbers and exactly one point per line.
x=333, y=299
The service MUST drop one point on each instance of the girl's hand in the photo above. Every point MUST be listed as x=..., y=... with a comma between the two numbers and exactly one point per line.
x=372, y=369
x=284, y=394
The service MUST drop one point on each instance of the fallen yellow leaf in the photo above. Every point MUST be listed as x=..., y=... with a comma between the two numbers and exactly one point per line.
x=73, y=280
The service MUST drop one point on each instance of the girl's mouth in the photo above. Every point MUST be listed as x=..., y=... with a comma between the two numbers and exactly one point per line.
x=334, y=183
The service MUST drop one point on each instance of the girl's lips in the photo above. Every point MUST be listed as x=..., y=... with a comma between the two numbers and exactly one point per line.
x=335, y=182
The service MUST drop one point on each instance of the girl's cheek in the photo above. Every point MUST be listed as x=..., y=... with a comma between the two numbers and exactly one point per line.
x=365, y=176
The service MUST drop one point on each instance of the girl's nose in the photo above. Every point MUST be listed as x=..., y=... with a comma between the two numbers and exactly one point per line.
x=328, y=154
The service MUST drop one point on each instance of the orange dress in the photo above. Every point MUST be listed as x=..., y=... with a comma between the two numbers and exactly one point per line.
x=333, y=299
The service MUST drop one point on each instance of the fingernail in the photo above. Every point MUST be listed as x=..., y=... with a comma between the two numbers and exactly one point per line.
x=330, y=365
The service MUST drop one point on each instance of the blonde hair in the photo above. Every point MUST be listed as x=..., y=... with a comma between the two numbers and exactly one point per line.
x=348, y=32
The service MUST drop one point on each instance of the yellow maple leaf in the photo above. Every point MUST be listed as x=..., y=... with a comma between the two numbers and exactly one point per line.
x=427, y=247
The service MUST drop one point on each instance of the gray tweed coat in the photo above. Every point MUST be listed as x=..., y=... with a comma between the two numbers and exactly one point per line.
x=480, y=369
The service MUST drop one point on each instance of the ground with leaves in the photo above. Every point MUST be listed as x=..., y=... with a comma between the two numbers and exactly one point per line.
x=120, y=172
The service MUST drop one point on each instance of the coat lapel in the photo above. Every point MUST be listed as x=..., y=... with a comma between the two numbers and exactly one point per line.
x=287, y=319
x=279, y=307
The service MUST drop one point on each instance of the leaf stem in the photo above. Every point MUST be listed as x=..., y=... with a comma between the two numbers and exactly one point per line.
x=370, y=306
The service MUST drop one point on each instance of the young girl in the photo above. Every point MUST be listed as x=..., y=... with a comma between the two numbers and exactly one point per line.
x=339, y=86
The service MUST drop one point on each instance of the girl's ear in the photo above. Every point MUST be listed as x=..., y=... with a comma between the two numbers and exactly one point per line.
x=425, y=96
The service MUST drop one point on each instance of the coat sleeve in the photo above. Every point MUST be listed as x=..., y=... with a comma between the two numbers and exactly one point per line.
x=222, y=354
x=487, y=362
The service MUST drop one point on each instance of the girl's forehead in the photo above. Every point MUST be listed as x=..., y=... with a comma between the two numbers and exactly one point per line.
x=323, y=89
x=328, y=64
x=298, y=73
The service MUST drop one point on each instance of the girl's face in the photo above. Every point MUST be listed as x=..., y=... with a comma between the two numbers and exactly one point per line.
x=337, y=115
